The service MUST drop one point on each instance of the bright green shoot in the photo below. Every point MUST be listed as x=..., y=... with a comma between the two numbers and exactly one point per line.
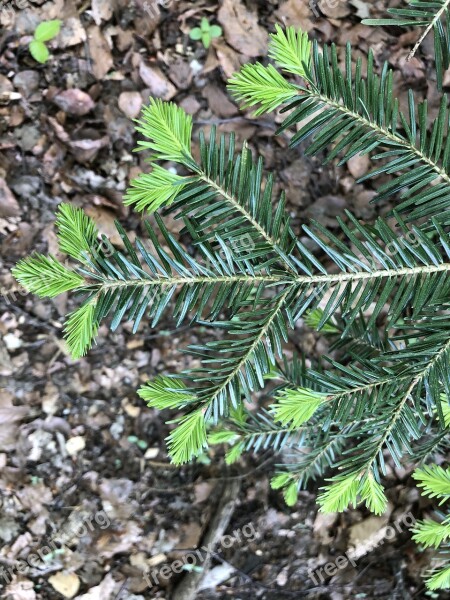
x=205, y=32
x=45, y=32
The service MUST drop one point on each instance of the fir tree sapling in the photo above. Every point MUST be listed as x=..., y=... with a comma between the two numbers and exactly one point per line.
x=380, y=291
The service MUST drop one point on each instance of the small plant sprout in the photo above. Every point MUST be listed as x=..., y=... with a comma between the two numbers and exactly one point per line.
x=45, y=31
x=206, y=32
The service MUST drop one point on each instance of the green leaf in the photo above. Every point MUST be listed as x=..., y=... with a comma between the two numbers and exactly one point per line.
x=77, y=233
x=168, y=130
x=258, y=85
x=206, y=39
x=166, y=392
x=196, y=34
x=291, y=50
x=295, y=407
x=45, y=276
x=149, y=191
x=39, y=51
x=81, y=329
x=188, y=439
x=215, y=31
x=204, y=25
x=47, y=30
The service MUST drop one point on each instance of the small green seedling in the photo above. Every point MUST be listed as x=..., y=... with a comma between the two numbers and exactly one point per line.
x=45, y=31
x=142, y=444
x=206, y=32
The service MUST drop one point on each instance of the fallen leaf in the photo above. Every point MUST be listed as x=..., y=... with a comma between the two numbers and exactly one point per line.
x=72, y=33
x=9, y=416
x=75, y=444
x=66, y=584
x=74, y=102
x=338, y=9
x=21, y=589
x=102, y=10
x=9, y=206
x=362, y=8
x=130, y=103
x=159, y=85
x=104, y=220
x=358, y=165
x=228, y=58
x=365, y=535
x=295, y=13
x=219, y=102
x=242, y=29
x=103, y=591
x=100, y=52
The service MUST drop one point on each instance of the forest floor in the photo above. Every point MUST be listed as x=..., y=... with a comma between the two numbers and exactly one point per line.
x=81, y=457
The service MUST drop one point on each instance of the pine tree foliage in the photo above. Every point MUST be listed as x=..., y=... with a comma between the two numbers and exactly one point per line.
x=379, y=291
x=431, y=15
x=435, y=483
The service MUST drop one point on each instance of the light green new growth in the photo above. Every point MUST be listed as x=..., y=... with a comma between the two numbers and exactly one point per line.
x=77, y=233
x=45, y=276
x=435, y=483
x=45, y=31
x=81, y=329
x=165, y=392
x=291, y=50
x=168, y=130
x=149, y=191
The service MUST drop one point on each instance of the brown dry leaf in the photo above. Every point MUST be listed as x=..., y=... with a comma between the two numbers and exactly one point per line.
x=21, y=589
x=9, y=416
x=120, y=541
x=229, y=59
x=159, y=85
x=9, y=206
x=72, y=33
x=190, y=535
x=338, y=9
x=85, y=150
x=293, y=12
x=130, y=103
x=74, y=102
x=219, y=102
x=241, y=28
x=358, y=165
x=362, y=8
x=323, y=524
x=103, y=591
x=67, y=584
x=104, y=220
x=366, y=534
x=102, y=10
x=100, y=52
